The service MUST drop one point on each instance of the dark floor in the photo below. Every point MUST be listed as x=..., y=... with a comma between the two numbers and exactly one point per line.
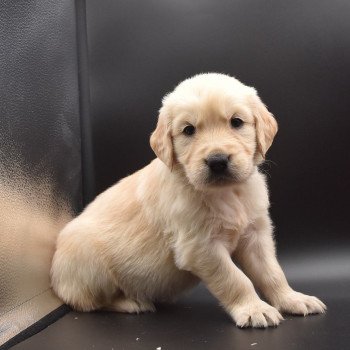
x=196, y=321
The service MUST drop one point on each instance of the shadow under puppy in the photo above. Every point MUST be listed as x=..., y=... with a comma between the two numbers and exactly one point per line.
x=183, y=217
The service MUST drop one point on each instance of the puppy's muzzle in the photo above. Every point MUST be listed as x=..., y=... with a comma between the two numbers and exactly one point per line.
x=218, y=164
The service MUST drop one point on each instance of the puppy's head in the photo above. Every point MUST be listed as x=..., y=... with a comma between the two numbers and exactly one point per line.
x=215, y=128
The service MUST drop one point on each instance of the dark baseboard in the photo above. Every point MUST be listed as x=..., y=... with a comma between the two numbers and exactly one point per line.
x=37, y=326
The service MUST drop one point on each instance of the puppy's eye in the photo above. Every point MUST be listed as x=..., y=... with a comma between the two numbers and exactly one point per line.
x=189, y=130
x=236, y=122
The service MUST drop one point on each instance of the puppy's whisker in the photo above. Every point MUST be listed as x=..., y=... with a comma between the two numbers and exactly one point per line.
x=265, y=171
x=269, y=162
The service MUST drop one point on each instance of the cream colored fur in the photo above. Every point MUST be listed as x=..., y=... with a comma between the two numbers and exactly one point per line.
x=163, y=229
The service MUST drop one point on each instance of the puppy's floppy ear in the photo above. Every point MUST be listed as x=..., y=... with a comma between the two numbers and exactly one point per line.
x=266, y=127
x=161, y=140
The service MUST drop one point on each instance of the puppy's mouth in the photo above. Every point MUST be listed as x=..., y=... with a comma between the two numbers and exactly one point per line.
x=205, y=179
x=219, y=180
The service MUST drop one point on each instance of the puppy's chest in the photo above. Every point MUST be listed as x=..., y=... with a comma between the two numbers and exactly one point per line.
x=230, y=214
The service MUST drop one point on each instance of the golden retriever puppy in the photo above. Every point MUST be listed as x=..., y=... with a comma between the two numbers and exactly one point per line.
x=182, y=218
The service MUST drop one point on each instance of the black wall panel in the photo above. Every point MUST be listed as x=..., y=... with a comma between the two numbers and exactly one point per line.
x=40, y=152
x=39, y=107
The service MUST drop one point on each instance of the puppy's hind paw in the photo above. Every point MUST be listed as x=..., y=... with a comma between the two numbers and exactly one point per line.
x=127, y=305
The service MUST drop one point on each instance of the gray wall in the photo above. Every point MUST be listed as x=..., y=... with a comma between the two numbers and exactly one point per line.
x=296, y=53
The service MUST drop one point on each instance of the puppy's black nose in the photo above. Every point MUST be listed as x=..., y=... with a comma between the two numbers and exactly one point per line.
x=217, y=163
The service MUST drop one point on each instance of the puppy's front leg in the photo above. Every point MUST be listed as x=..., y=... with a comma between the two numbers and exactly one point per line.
x=214, y=266
x=256, y=255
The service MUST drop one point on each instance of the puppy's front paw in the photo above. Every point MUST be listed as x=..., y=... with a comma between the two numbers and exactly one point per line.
x=257, y=314
x=299, y=304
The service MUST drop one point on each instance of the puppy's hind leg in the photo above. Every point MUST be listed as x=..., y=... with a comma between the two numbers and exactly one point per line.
x=121, y=303
x=82, y=279
x=82, y=291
